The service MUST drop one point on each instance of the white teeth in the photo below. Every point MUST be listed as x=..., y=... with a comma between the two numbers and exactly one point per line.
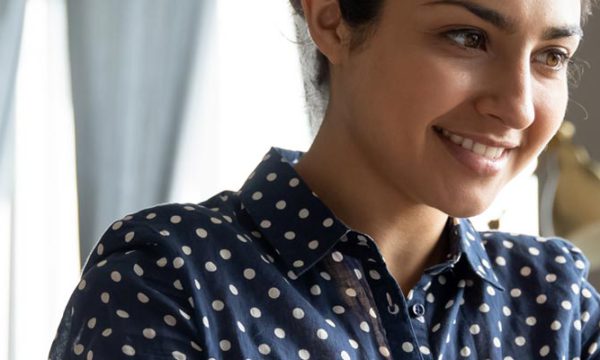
x=489, y=152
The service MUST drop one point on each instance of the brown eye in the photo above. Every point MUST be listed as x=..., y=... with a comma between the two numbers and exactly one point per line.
x=467, y=38
x=554, y=59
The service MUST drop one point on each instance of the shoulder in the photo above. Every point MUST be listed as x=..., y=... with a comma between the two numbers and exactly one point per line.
x=547, y=258
x=174, y=229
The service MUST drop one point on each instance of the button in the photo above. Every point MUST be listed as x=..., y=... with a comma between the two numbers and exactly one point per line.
x=418, y=310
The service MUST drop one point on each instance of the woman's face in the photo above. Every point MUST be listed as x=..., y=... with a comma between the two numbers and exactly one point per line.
x=450, y=99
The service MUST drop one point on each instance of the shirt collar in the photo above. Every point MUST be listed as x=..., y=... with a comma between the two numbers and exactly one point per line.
x=471, y=246
x=288, y=214
x=302, y=229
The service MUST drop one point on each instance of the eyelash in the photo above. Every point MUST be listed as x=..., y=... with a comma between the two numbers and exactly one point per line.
x=564, y=58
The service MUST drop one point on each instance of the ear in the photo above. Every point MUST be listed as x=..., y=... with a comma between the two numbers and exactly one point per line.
x=327, y=28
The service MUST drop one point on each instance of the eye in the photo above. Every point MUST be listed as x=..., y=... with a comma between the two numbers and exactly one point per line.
x=467, y=38
x=554, y=59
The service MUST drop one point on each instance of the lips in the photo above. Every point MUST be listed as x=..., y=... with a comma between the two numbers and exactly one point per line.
x=489, y=151
x=482, y=154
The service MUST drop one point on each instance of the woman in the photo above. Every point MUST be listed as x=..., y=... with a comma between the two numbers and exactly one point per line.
x=432, y=107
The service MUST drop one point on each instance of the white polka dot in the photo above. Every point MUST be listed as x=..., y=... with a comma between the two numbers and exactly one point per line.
x=424, y=350
x=202, y=233
x=520, y=341
x=592, y=348
x=271, y=177
x=257, y=195
x=78, y=349
x=525, y=271
x=178, y=262
x=374, y=274
x=507, y=244
x=484, y=308
x=303, y=214
x=364, y=326
x=294, y=182
x=170, y=320
x=205, y=322
x=225, y=345
x=274, y=293
x=304, y=354
x=490, y=290
x=566, y=304
x=255, y=312
x=384, y=351
x=225, y=254
x=218, y=305
x=541, y=299
x=117, y=225
x=351, y=292
x=150, y=216
x=105, y=297
x=465, y=351
x=175, y=219
x=149, y=333
x=322, y=334
x=501, y=261
x=580, y=264
x=545, y=350
x=550, y=278
x=128, y=350
x=555, y=325
x=178, y=355
x=265, y=224
x=129, y=236
x=337, y=256
x=575, y=288
x=290, y=235
x=338, y=309
x=315, y=290
x=249, y=273
x=161, y=262
x=531, y=320
x=560, y=259
x=107, y=332
x=264, y=349
x=496, y=342
x=474, y=329
x=281, y=204
x=407, y=347
x=534, y=251
x=233, y=289
x=216, y=221
x=328, y=222
x=115, y=276
x=164, y=232
x=345, y=356
x=210, y=266
x=353, y=343
x=586, y=293
x=298, y=313
x=186, y=250
x=506, y=311
x=577, y=325
x=91, y=323
x=279, y=332
x=313, y=244
x=90, y=355
x=82, y=284
x=515, y=292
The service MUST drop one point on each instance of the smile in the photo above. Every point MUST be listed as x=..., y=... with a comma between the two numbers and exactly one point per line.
x=490, y=152
x=483, y=155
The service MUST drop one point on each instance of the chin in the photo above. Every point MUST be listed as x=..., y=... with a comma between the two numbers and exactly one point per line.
x=465, y=206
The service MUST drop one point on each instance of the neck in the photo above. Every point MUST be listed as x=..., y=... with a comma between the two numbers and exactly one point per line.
x=406, y=232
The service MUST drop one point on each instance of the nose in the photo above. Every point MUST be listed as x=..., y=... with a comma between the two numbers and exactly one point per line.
x=508, y=95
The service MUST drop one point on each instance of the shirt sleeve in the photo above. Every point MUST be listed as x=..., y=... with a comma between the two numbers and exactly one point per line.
x=134, y=299
x=589, y=313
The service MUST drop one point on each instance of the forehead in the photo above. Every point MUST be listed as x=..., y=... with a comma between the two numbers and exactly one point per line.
x=520, y=14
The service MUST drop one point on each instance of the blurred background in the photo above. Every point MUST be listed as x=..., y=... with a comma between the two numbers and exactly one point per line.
x=110, y=106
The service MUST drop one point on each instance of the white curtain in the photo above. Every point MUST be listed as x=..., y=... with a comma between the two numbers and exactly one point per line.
x=130, y=65
x=11, y=21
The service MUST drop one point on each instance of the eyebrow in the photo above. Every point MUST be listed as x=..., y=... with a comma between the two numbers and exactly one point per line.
x=507, y=24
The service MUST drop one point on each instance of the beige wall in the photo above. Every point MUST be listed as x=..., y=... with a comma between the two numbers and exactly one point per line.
x=588, y=92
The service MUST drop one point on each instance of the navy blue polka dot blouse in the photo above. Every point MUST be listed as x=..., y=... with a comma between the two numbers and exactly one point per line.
x=270, y=273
